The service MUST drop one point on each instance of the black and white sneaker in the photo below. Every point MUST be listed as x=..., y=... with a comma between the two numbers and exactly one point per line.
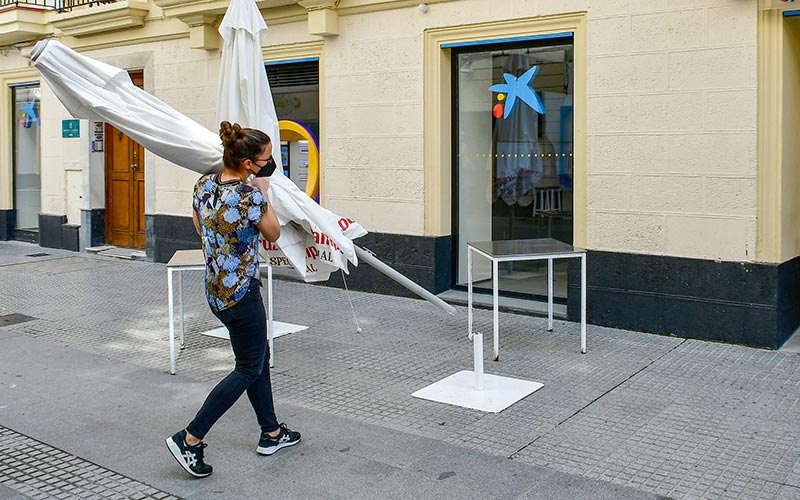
x=269, y=445
x=190, y=457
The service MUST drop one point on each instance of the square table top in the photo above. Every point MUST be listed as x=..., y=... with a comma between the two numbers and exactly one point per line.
x=183, y=258
x=538, y=247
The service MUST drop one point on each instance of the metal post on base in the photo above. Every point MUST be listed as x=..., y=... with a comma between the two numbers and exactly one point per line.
x=583, y=303
x=495, y=309
x=171, y=324
x=469, y=292
x=180, y=307
x=549, y=295
x=477, y=341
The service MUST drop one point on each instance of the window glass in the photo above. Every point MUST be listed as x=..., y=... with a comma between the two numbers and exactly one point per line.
x=513, y=155
x=295, y=91
x=27, y=181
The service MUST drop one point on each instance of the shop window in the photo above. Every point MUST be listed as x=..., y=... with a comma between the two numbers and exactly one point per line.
x=513, y=154
x=27, y=177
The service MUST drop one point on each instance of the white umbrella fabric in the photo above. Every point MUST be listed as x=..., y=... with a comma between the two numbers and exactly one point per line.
x=94, y=90
x=313, y=240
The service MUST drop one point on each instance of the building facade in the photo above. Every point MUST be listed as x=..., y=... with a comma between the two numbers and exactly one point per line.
x=658, y=135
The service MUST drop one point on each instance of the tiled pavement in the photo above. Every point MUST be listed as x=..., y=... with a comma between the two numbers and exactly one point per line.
x=39, y=471
x=675, y=417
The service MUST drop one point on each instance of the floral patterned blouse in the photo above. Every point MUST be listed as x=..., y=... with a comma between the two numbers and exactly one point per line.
x=228, y=213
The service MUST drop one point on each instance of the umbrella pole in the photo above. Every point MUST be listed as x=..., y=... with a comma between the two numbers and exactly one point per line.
x=391, y=273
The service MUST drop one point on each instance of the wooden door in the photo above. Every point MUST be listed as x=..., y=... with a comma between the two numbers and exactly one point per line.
x=125, y=225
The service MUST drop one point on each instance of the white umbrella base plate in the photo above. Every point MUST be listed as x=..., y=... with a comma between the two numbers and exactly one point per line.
x=459, y=389
x=281, y=329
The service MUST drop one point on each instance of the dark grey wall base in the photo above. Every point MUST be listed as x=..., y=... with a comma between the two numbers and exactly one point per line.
x=745, y=303
x=93, y=227
x=167, y=233
x=54, y=232
x=426, y=260
x=7, y=219
x=50, y=230
x=70, y=237
x=788, y=297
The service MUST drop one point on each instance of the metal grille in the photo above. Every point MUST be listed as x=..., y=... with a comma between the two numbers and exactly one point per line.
x=293, y=74
x=49, y=4
x=59, y=5
x=69, y=5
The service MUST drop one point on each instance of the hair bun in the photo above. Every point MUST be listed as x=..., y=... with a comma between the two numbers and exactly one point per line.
x=230, y=133
x=240, y=143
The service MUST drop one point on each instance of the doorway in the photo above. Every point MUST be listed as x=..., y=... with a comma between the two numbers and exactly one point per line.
x=513, y=155
x=27, y=175
x=124, y=166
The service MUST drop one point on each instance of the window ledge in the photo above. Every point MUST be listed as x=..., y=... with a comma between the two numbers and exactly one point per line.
x=22, y=25
x=103, y=18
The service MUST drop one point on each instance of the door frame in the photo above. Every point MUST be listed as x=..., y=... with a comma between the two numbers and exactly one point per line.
x=437, y=110
x=142, y=161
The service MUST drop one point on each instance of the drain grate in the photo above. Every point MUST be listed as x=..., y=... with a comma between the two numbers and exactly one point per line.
x=40, y=254
x=13, y=319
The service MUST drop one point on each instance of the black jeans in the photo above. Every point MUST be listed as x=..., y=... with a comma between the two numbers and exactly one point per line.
x=247, y=324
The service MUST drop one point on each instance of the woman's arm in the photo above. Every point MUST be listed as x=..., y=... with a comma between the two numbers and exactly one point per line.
x=196, y=221
x=268, y=226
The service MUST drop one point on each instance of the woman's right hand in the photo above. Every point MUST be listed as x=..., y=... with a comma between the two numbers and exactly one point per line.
x=261, y=183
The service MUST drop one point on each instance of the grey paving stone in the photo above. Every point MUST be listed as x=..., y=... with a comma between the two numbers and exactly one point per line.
x=675, y=417
x=31, y=476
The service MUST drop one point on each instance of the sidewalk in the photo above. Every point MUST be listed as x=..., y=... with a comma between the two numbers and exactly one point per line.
x=639, y=415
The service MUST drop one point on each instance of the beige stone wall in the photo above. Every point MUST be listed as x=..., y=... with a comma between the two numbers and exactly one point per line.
x=61, y=167
x=671, y=119
x=672, y=128
x=373, y=121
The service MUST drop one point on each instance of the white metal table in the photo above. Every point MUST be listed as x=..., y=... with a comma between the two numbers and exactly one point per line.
x=193, y=260
x=524, y=250
x=494, y=393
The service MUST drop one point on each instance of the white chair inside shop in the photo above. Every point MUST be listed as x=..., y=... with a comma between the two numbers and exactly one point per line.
x=547, y=200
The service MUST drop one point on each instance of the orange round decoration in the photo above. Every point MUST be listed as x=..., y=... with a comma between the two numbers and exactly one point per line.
x=497, y=110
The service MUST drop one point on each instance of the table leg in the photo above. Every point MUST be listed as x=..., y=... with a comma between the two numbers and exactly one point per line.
x=171, y=324
x=549, y=295
x=583, y=303
x=495, y=312
x=469, y=293
x=180, y=308
x=270, y=325
x=477, y=342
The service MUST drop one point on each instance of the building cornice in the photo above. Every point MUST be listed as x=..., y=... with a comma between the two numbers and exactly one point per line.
x=22, y=25
x=103, y=18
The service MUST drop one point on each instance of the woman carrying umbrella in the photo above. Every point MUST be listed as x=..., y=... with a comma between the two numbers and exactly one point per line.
x=230, y=210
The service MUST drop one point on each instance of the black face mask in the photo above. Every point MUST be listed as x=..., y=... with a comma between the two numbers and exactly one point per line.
x=268, y=168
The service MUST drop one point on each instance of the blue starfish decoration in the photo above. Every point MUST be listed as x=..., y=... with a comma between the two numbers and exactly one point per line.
x=519, y=88
x=31, y=114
